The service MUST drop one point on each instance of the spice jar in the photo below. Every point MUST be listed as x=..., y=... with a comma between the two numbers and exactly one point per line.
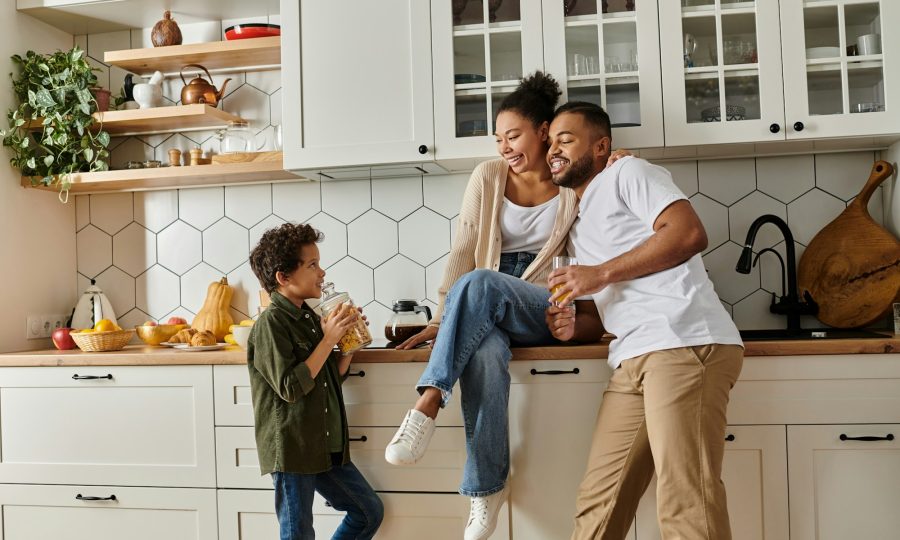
x=358, y=336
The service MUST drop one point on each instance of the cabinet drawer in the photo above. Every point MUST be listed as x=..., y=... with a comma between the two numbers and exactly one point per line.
x=559, y=371
x=31, y=512
x=245, y=514
x=439, y=471
x=374, y=395
x=147, y=426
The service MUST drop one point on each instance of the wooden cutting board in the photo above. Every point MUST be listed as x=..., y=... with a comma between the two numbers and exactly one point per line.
x=244, y=157
x=852, y=266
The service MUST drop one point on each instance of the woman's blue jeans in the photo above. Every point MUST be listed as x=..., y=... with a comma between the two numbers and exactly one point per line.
x=485, y=313
x=343, y=487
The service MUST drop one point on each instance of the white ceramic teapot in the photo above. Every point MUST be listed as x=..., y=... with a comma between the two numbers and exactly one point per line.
x=149, y=94
x=91, y=307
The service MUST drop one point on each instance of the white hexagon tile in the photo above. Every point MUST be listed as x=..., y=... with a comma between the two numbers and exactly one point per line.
x=296, y=201
x=249, y=103
x=730, y=285
x=372, y=238
x=157, y=291
x=397, y=279
x=82, y=211
x=334, y=247
x=786, y=178
x=119, y=288
x=346, y=200
x=180, y=247
x=256, y=232
x=353, y=277
x=745, y=211
x=434, y=275
x=771, y=271
x=201, y=207
x=93, y=251
x=715, y=220
x=225, y=245
x=194, y=284
x=134, y=249
x=397, y=197
x=248, y=205
x=245, y=299
x=112, y=212
x=684, y=174
x=727, y=180
x=424, y=236
x=812, y=211
x=156, y=209
x=377, y=316
x=444, y=193
x=843, y=175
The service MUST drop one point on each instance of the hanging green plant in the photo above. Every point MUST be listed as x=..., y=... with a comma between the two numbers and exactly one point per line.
x=50, y=133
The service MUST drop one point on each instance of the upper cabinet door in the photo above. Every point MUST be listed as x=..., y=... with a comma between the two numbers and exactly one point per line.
x=721, y=65
x=356, y=83
x=481, y=48
x=840, y=78
x=607, y=52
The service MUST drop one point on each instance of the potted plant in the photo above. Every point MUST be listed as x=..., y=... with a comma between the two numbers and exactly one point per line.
x=50, y=133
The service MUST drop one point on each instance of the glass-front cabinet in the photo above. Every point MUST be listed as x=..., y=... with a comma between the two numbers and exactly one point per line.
x=607, y=52
x=721, y=64
x=602, y=51
x=842, y=67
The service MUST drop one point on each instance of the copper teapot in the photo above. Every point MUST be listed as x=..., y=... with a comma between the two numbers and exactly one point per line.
x=199, y=90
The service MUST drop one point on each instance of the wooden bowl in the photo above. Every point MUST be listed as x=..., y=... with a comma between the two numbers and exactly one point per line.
x=154, y=335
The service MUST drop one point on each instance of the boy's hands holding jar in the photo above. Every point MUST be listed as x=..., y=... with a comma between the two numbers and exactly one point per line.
x=338, y=323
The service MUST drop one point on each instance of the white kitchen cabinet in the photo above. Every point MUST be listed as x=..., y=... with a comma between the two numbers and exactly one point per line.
x=250, y=515
x=777, y=73
x=138, y=426
x=552, y=412
x=845, y=481
x=608, y=56
x=754, y=471
x=67, y=512
x=356, y=84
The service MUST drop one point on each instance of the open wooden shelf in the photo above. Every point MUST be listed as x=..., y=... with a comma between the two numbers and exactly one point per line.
x=238, y=54
x=159, y=120
x=174, y=177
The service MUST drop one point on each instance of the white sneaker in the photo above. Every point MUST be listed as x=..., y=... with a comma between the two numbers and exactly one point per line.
x=483, y=515
x=411, y=440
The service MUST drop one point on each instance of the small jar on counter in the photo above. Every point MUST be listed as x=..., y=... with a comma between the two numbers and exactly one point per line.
x=358, y=336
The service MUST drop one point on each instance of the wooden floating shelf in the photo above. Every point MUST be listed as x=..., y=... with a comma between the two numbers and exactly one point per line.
x=159, y=120
x=174, y=177
x=217, y=55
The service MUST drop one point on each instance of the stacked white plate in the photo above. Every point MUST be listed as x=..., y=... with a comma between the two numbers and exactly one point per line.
x=822, y=52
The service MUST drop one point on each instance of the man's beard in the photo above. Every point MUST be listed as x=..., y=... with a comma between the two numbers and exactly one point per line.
x=578, y=173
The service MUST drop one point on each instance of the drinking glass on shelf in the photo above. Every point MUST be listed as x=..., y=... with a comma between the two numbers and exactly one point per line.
x=561, y=261
x=279, y=142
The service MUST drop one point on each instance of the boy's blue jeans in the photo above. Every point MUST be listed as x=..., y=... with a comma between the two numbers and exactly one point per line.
x=485, y=313
x=343, y=487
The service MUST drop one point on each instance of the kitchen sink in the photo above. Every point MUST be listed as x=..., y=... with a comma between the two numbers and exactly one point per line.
x=806, y=333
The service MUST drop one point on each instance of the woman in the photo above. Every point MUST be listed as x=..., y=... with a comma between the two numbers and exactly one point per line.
x=494, y=293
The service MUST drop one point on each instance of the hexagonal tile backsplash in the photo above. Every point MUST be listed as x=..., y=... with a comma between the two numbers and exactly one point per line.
x=156, y=252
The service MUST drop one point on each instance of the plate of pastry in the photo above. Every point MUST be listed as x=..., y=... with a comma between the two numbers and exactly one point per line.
x=190, y=348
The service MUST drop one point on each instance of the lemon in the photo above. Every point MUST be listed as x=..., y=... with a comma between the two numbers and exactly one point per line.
x=246, y=322
x=104, y=325
x=86, y=331
x=230, y=339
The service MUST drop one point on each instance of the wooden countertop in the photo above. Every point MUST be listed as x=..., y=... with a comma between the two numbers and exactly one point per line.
x=136, y=355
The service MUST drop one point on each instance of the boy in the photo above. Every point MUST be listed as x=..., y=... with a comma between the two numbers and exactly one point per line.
x=295, y=382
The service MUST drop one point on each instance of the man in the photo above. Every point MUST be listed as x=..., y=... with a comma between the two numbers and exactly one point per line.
x=676, y=354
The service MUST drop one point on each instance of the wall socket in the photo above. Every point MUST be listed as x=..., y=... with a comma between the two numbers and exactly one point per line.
x=41, y=326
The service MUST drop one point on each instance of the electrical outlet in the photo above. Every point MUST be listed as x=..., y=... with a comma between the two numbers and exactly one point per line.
x=34, y=327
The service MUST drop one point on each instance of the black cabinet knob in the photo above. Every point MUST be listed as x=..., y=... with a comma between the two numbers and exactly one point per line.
x=423, y=149
x=774, y=128
x=798, y=126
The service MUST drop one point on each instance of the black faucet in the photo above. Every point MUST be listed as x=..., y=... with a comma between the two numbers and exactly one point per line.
x=789, y=304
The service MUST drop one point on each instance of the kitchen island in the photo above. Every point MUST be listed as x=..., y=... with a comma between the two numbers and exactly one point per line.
x=812, y=444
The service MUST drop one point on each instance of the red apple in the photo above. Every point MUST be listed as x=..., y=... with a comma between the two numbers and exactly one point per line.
x=150, y=323
x=176, y=320
x=62, y=339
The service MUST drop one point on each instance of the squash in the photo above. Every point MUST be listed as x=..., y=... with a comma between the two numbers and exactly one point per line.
x=214, y=315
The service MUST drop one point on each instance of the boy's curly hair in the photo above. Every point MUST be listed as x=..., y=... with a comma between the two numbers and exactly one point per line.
x=279, y=251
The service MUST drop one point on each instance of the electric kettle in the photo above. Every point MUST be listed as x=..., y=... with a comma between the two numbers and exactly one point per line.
x=91, y=307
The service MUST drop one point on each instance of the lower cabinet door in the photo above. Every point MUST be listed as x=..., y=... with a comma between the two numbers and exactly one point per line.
x=250, y=515
x=845, y=481
x=755, y=474
x=32, y=512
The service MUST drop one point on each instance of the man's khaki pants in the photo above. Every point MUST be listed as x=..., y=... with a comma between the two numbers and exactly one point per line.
x=662, y=412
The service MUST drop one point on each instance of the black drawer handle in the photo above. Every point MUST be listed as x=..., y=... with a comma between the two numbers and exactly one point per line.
x=328, y=504
x=81, y=497
x=359, y=439
x=890, y=437
x=359, y=373
x=729, y=437
x=575, y=371
x=78, y=377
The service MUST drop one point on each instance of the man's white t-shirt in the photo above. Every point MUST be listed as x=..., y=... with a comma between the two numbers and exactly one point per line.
x=672, y=308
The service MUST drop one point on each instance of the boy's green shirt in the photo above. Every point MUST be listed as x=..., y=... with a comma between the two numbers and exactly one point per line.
x=299, y=420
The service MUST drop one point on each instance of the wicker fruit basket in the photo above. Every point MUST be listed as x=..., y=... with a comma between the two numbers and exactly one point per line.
x=114, y=340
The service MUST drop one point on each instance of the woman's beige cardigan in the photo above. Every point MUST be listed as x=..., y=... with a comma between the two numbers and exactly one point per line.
x=477, y=243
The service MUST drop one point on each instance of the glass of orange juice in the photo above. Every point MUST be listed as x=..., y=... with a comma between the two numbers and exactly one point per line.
x=561, y=261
